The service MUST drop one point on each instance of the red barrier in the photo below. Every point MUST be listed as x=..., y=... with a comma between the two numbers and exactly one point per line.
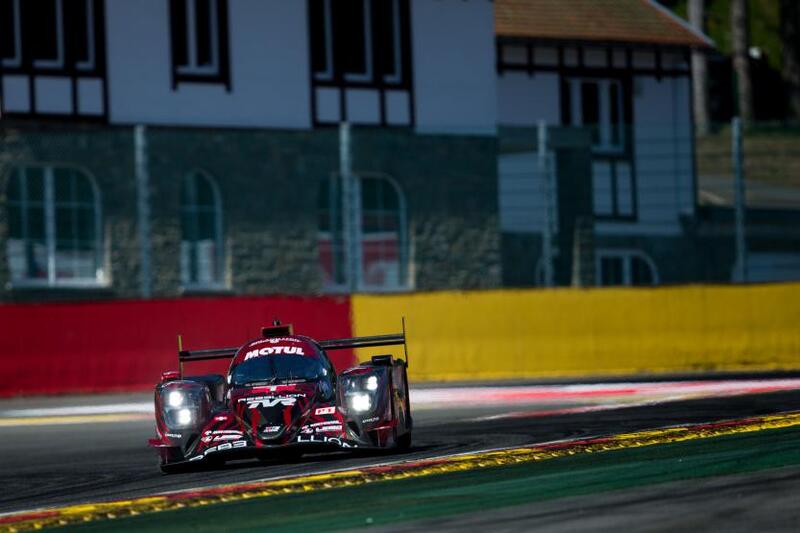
x=125, y=345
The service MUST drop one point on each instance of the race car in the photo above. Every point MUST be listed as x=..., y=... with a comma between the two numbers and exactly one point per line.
x=282, y=398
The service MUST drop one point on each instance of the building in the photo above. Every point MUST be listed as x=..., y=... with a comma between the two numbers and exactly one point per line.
x=620, y=70
x=181, y=147
x=233, y=183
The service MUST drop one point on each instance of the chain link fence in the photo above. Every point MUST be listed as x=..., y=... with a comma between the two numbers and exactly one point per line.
x=93, y=212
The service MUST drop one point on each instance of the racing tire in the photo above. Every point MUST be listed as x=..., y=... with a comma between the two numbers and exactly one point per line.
x=403, y=442
x=170, y=462
x=213, y=462
x=170, y=468
x=288, y=455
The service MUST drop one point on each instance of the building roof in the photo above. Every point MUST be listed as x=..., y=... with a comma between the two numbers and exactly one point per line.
x=619, y=21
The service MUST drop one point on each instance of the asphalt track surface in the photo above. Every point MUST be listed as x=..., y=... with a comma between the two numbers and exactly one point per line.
x=50, y=465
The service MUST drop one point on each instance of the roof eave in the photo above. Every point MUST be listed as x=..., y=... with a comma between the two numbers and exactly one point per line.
x=626, y=43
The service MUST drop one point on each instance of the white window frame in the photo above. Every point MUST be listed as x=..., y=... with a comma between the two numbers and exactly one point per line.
x=327, y=74
x=365, y=76
x=604, y=107
x=57, y=63
x=404, y=252
x=16, y=61
x=397, y=75
x=403, y=258
x=627, y=260
x=220, y=283
x=192, y=68
x=89, y=64
x=49, y=205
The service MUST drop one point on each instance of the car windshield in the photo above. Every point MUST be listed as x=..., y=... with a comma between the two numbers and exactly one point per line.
x=277, y=368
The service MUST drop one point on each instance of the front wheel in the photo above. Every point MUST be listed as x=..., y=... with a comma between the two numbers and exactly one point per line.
x=170, y=460
x=288, y=455
x=403, y=442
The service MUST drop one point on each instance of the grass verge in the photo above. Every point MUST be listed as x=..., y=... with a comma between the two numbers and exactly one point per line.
x=391, y=502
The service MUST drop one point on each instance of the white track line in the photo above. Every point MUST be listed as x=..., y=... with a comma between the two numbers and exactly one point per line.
x=456, y=397
x=77, y=410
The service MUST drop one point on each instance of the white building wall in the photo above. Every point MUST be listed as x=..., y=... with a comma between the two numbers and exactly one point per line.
x=524, y=100
x=268, y=62
x=454, y=65
x=663, y=144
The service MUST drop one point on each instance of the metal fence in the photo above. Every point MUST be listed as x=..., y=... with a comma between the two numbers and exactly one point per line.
x=154, y=211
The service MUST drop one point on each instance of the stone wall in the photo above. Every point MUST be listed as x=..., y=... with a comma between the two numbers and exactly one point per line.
x=269, y=182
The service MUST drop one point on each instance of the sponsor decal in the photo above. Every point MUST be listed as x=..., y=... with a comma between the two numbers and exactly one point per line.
x=222, y=434
x=217, y=438
x=274, y=340
x=221, y=448
x=368, y=420
x=220, y=418
x=276, y=350
x=325, y=410
x=288, y=400
x=173, y=435
x=322, y=427
x=270, y=429
x=326, y=440
x=271, y=402
x=326, y=423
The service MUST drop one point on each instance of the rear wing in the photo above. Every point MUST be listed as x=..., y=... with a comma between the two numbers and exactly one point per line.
x=393, y=339
x=281, y=330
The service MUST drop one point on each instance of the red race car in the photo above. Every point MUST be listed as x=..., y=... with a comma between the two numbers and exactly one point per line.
x=282, y=397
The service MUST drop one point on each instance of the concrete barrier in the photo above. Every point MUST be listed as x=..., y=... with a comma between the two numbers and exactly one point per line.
x=571, y=332
x=125, y=345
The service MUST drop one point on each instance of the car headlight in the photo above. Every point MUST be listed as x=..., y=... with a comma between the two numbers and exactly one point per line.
x=184, y=406
x=372, y=383
x=184, y=417
x=360, y=402
x=175, y=398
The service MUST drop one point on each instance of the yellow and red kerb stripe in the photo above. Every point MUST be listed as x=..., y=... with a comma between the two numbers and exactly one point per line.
x=28, y=521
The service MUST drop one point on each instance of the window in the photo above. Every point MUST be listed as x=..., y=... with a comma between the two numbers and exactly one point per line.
x=357, y=41
x=54, y=227
x=10, y=33
x=56, y=34
x=625, y=268
x=81, y=22
x=330, y=239
x=388, y=41
x=321, y=39
x=47, y=45
x=383, y=266
x=201, y=254
x=382, y=242
x=613, y=188
x=597, y=103
x=199, y=31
